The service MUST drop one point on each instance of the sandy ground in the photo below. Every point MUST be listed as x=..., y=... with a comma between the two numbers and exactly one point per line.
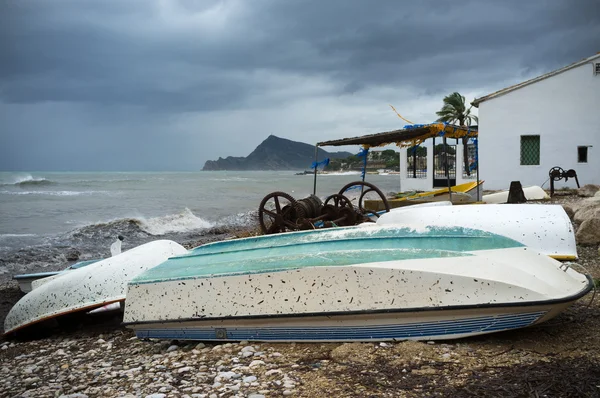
x=559, y=358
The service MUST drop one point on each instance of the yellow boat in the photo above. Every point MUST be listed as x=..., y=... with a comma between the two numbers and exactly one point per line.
x=462, y=188
x=460, y=195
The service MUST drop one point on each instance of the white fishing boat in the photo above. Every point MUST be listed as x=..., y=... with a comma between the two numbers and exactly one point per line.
x=351, y=284
x=26, y=281
x=89, y=287
x=545, y=228
x=531, y=193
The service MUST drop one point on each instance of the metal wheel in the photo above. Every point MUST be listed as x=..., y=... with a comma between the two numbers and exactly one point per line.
x=371, y=188
x=278, y=212
x=556, y=173
x=339, y=200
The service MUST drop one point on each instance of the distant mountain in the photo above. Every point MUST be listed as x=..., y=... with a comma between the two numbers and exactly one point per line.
x=275, y=153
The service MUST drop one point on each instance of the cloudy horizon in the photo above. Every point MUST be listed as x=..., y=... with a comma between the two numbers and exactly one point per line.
x=166, y=85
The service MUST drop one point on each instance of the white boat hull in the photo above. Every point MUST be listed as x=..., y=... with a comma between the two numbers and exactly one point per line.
x=545, y=228
x=90, y=287
x=531, y=193
x=26, y=280
x=357, y=284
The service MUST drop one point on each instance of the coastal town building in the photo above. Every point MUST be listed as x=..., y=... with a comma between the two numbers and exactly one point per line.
x=550, y=121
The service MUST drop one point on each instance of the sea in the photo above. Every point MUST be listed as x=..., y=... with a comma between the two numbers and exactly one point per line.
x=49, y=220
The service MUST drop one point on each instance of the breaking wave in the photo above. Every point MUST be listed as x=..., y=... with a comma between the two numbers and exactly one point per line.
x=182, y=222
x=56, y=193
x=8, y=236
x=29, y=180
x=340, y=173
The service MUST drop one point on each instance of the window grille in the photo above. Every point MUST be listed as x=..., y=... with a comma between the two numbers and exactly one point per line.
x=472, y=162
x=416, y=162
x=597, y=68
x=530, y=150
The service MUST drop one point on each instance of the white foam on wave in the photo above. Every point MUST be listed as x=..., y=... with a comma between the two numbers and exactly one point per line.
x=182, y=222
x=26, y=179
x=54, y=193
x=341, y=173
x=15, y=235
x=233, y=179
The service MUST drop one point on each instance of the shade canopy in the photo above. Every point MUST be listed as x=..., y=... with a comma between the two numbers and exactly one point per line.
x=409, y=135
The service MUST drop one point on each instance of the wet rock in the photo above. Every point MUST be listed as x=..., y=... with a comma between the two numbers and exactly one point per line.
x=589, y=208
x=588, y=190
x=569, y=209
x=588, y=233
x=72, y=254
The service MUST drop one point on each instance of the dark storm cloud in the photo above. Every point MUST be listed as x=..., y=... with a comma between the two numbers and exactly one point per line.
x=167, y=58
x=129, y=52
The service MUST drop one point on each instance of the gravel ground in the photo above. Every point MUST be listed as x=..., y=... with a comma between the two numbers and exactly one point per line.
x=558, y=358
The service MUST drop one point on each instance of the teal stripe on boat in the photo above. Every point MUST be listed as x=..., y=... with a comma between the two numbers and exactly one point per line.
x=301, y=237
x=246, y=255
x=191, y=267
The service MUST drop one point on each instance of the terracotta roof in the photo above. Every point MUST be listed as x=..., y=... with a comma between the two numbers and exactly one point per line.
x=506, y=90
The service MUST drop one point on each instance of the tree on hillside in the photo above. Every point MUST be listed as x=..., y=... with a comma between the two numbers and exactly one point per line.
x=455, y=111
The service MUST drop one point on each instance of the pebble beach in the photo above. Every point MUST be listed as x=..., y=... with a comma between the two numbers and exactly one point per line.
x=100, y=358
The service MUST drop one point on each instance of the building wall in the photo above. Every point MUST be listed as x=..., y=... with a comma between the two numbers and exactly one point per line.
x=564, y=110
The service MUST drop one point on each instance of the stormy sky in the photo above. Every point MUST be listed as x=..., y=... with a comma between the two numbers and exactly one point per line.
x=166, y=85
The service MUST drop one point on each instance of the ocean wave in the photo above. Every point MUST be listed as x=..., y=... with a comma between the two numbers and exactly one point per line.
x=10, y=236
x=341, y=173
x=139, y=227
x=182, y=222
x=56, y=193
x=101, y=181
x=246, y=219
x=29, y=180
x=15, y=235
x=233, y=179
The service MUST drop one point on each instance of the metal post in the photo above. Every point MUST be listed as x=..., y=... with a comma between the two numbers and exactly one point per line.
x=315, y=178
x=477, y=168
x=414, y=162
x=447, y=168
x=400, y=169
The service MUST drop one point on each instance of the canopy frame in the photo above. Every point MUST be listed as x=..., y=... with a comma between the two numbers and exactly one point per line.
x=409, y=136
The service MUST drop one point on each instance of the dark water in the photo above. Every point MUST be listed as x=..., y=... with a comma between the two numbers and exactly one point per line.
x=47, y=218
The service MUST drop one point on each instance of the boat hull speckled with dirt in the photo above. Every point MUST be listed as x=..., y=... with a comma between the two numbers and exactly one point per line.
x=351, y=284
x=89, y=287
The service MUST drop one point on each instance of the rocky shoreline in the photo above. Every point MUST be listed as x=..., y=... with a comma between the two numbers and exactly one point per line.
x=559, y=358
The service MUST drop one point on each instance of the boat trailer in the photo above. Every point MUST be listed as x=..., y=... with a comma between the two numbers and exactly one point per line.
x=280, y=212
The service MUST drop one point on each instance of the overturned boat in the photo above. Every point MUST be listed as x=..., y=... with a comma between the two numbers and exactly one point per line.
x=545, y=228
x=87, y=288
x=531, y=193
x=352, y=284
x=26, y=281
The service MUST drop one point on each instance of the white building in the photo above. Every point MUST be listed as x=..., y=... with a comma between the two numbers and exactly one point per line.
x=552, y=120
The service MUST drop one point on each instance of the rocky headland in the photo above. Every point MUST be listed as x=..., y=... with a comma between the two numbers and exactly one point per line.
x=274, y=153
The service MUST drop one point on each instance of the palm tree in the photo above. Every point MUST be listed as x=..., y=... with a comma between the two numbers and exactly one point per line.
x=455, y=111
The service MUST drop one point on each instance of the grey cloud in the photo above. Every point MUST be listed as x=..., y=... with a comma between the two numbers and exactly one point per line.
x=205, y=57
